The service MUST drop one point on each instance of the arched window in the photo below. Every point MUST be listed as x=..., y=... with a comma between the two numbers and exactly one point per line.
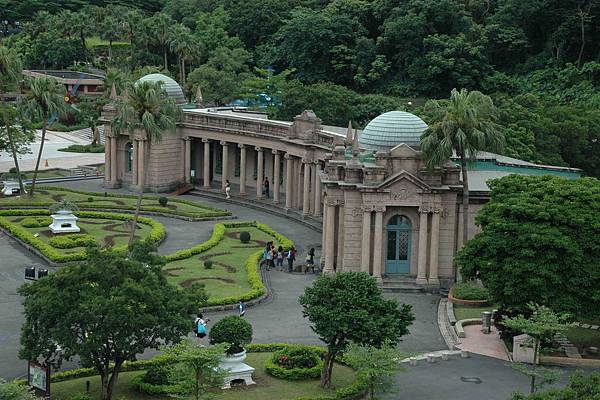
x=129, y=148
x=398, y=244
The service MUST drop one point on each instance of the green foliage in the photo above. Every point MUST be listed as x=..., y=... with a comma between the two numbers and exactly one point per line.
x=15, y=391
x=107, y=310
x=157, y=389
x=244, y=237
x=36, y=222
x=64, y=205
x=469, y=291
x=80, y=396
x=377, y=365
x=539, y=233
x=581, y=387
x=345, y=306
x=295, y=363
x=163, y=201
x=72, y=240
x=235, y=331
x=208, y=264
x=83, y=148
x=157, y=375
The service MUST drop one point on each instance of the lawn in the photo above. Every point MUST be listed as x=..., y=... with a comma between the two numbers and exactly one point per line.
x=46, y=196
x=50, y=173
x=106, y=231
x=266, y=386
x=228, y=276
x=463, y=312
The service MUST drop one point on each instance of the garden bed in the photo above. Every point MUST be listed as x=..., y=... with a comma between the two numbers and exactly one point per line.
x=468, y=294
x=47, y=196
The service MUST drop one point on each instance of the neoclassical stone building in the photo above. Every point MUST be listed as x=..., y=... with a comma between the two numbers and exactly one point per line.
x=383, y=212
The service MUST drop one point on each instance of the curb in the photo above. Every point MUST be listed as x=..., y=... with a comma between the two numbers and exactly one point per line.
x=446, y=329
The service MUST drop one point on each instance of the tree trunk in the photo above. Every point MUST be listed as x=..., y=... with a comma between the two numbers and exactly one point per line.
x=582, y=17
x=183, y=69
x=83, y=48
x=104, y=385
x=165, y=57
x=112, y=382
x=326, y=370
x=39, y=157
x=465, y=199
x=16, y=160
x=110, y=51
x=138, y=203
x=197, y=385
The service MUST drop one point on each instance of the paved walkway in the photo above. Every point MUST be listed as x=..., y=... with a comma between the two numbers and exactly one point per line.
x=485, y=344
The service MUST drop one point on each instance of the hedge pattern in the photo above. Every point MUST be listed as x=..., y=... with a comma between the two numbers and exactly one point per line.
x=156, y=390
x=36, y=222
x=292, y=374
x=72, y=240
x=156, y=234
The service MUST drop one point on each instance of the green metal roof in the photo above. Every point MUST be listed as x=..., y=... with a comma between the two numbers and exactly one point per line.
x=391, y=129
x=171, y=87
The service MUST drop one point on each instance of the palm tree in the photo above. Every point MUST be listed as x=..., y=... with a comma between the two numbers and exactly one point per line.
x=146, y=108
x=182, y=43
x=10, y=73
x=132, y=26
x=110, y=32
x=46, y=98
x=463, y=125
x=162, y=24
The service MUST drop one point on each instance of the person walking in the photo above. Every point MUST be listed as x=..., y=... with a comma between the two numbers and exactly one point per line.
x=290, y=259
x=279, y=259
x=270, y=253
x=200, y=327
x=266, y=186
x=242, y=308
x=310, y=260
x=227, y=189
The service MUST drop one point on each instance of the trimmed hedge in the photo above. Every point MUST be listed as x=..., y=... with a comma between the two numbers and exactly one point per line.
x=36, y=222
x=156, y=390
x=291, y=353
x=469, y=291
x=71, y=241
x=156, y=234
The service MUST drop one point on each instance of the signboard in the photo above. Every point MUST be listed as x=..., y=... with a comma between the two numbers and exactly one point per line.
x=38, y=377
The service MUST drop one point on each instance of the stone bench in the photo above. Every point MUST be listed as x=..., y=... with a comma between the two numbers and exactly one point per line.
x=459, y=326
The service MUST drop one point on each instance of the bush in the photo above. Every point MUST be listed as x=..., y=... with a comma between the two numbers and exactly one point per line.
x=233, y=330
x=245, y=237
x=80, y=396
x=157, y=375
x=163, y=201
x=157, y=390
x=83, y=148
x=64, y=205
x=90, y=199
x=295, y=362
x=469, y=291
x=72, y=241
x=36, y=222
x=208, y=264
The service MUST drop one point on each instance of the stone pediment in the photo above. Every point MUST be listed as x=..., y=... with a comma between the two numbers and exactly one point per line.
x=403, y=150
x=404, y=187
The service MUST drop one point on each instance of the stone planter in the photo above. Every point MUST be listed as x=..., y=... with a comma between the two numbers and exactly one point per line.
x=236, y=369
x=11, y=188
x=64, y=222
x=467, y=303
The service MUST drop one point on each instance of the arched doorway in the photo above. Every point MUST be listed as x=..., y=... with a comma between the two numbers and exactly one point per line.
x=398, y=243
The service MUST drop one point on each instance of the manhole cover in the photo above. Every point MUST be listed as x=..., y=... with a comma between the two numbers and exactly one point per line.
x=470, y=379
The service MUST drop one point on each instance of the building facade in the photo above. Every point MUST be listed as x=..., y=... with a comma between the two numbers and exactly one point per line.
x=382, y=210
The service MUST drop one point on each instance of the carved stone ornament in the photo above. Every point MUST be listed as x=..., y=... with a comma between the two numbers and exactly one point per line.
x=433, y=209
x=335, y=202
x=401, y=194
x=368, y=208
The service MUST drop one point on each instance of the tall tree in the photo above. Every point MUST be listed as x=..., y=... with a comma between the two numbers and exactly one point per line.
x=106, y=311
x=464, y=126
x=146, y=109
x=45, y=99
x=132, y=25
x=110, y=31
x=161, y=25
x=349, y=307
x=182, y=43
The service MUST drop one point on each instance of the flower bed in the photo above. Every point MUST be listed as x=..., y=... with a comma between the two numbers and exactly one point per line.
x=468, y=294
x=295, y=363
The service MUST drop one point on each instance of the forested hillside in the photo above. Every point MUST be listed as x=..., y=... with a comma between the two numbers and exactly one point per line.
x=350, y=59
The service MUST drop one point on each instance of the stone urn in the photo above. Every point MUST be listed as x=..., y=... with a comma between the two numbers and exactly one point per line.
x=10, y=188
x=236, y=369
x=63, y=221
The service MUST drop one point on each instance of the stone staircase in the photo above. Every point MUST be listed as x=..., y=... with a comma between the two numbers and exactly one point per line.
x=85, y=134
x=401, y=284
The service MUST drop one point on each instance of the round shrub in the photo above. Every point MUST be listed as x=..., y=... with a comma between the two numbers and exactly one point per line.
x=233, y=330
x=90, y=199
x=71, y=241
x=163, y=201
x=140, y=385
x=64, y=205
x=208, y=264
x=295, y=363
x=158, y=375
x=469, y=291
x=245, y=237
x=36, y=222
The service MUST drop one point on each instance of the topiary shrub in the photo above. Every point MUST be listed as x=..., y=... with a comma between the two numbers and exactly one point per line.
x=64, y=205
x=469, y=291
x=295, y=362
x=72, y=241
x=36, y=222
x=245, y=237
x=90, y=199
x=208, y=264
x=233, y=330
x=158, y=375
x=163, y=201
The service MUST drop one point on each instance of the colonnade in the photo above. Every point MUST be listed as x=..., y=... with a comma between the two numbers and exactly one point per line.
x=301, y=176
x=424, y=235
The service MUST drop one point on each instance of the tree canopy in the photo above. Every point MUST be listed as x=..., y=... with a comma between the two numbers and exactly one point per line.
x=538, y=243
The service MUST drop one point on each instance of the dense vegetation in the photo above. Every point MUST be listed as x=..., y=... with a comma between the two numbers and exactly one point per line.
x=349, y=59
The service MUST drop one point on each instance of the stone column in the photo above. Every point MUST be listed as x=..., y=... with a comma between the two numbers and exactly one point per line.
x=340, y=237
x=434, y=248
x=422, y=262
x=324, y=236
x=141, y=164
x=299, y=184
x=113, y=160
x=187, y=164
x=313, y=175
x=206, y=169
x=276, y=175
x=306, y=188
x=107, y=159
x=242, y=169
x=317, y=186
x=259, y=173
x=295, y=175
x=289, y=169
x=378, y=243
x=366, y=240
x=225, y=165
x=329, y=238
x=134, y=165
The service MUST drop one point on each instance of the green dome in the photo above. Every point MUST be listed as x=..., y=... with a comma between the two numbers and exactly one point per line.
x=391, y=129
x=171, y=87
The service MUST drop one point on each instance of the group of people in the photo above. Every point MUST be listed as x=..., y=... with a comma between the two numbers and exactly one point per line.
x=266, y=187
x=273, y=258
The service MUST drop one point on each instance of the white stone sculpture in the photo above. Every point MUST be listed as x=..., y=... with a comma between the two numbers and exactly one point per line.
x=236, y=369
x=64, y=222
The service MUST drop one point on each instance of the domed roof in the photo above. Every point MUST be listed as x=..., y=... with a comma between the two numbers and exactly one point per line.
x=392, y=128
x=172, y=88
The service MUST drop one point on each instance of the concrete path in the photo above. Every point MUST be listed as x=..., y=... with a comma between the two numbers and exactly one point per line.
x=485, y=344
